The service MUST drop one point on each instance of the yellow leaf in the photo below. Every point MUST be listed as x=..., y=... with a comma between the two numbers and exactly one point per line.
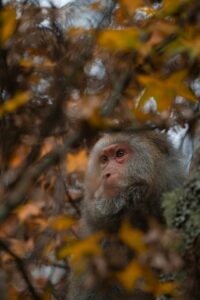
x=12, y=104
x=97, y=121
x=82, y=248
x=62, y=223
x=141, y=116
x=77, y=161
x=166, y=288
x=8, y=24
x=165, y=91
x=130, y=275
x=132, y=237
x=177, y=81
x=28, y=210
x=26, y=63
x=123, y=39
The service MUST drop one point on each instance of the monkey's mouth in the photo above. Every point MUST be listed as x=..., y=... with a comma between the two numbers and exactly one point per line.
x=111, y=191
x=113, y=187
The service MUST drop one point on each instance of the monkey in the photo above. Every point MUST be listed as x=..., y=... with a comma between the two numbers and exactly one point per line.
x=125, y=178
x=127, y=174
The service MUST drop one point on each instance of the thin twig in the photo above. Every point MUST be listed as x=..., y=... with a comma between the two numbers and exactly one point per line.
x=20, y=265
x=119, y=88
x=17, y=195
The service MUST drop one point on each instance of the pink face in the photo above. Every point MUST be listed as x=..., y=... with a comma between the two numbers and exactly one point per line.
x=113, y=161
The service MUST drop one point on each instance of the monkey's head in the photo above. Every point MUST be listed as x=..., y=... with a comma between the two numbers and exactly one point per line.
x=129, y=172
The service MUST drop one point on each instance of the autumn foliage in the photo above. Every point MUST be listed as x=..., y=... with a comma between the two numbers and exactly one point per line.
x=60, y=88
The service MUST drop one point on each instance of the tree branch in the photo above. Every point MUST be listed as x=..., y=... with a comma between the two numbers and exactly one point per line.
x=20, y=265
x=17, y=196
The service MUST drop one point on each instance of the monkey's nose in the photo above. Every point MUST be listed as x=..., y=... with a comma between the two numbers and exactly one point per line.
x=107, y=175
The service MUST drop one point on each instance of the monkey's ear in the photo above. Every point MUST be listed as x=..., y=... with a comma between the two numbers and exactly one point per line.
x=160, y=141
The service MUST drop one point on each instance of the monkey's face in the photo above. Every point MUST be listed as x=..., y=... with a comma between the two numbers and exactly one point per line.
x=113, y=161
x=119, y=172
x=115, y=185
x=117, y=167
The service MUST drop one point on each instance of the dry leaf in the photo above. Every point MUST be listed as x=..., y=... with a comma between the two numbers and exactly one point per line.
x=28, y=210
x=77, y=161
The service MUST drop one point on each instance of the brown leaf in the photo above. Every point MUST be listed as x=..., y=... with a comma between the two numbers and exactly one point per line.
x=27, y=211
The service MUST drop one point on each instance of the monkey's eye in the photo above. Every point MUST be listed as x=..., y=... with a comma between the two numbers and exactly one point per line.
x=103, y=158
x=120, y=153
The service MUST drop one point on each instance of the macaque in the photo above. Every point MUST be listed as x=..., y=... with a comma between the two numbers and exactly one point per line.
x=126, y=177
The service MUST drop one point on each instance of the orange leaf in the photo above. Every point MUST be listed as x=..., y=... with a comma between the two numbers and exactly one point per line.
x=77, y=161
x=12, y=104
x=130, y=275
x=8, y=24
x=47, y=146
x=18, y=156
x=28, y=210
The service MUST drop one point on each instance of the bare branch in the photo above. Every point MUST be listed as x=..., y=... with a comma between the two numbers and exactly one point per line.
x=17, y=196
x=20, y=265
